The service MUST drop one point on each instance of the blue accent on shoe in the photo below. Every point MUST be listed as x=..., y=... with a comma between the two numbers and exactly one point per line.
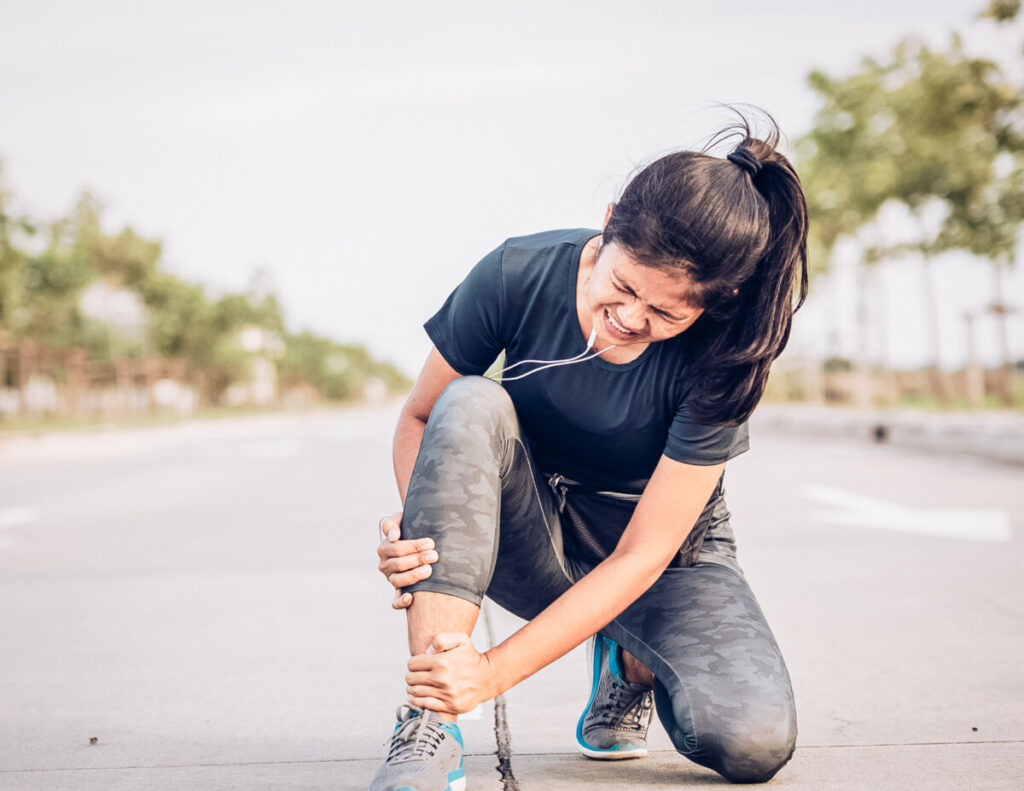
x=453, y=729
x=614, y=654
x=398, y=724
x=456, y=774
x=595, y=679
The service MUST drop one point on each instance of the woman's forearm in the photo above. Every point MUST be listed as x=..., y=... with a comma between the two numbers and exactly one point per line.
x=672, y=500
x=408, y=436
x=578, y=613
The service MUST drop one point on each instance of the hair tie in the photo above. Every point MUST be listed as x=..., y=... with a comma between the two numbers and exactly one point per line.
x=746, y=160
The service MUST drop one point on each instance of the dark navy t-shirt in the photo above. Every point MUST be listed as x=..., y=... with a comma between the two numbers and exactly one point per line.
x=602, y=424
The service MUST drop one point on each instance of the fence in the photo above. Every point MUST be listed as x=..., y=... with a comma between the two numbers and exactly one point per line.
x=39, y=381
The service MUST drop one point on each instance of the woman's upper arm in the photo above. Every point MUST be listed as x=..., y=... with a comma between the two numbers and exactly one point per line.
x=671, y=503
x=433, y=379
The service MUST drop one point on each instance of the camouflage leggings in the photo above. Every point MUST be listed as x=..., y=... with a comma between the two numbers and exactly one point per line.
x=722, y=690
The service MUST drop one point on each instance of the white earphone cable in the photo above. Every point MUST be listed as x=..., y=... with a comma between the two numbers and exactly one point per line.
x=556, y=364
x=579, y=358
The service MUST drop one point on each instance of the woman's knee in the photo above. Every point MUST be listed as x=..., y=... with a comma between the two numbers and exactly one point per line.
x=748, y=755
x=743, y=743
x=474, y=405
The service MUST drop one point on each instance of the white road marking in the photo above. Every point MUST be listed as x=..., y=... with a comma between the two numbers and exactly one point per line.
x=15, y=517
x=972, y=524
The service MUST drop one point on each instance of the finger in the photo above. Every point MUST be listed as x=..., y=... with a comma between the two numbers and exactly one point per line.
x=421, y=663
x=407, y=562
x=391, y=526
x=428, y=691
x=398, y=549
x=423, y=678
x=426, y=688
x=401, y=600
x=446, y=641
x=431, y=703
x=406, y=578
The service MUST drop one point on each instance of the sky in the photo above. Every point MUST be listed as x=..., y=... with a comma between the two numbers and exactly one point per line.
x=363, y=156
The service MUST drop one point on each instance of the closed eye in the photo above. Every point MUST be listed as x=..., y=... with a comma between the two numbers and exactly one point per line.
x=630, y=292
x=667, y=316
x=624, y=288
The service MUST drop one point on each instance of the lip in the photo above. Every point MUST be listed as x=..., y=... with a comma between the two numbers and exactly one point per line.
x=615, y=333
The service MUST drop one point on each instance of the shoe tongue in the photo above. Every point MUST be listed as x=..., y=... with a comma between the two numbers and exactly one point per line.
x=413, y=737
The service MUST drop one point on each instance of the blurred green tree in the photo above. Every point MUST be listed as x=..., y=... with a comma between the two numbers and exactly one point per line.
x=44, y=271
x=12, y=261
x=925, y=128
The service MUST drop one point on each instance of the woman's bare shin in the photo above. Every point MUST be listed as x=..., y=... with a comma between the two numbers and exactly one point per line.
x=433, y=613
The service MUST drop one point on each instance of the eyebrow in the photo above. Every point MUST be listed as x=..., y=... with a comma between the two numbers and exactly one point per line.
x=620, y=283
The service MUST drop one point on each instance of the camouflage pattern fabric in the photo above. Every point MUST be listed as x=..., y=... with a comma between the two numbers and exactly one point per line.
x=722, y=690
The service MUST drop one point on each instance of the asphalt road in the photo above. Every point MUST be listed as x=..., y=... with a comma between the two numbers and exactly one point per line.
x=198, y=607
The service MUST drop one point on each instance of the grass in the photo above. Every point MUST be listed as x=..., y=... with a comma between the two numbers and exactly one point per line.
x=46, y=425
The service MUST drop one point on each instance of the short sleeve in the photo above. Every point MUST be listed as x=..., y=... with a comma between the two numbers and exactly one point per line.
x=698, y=443
x=467, y=330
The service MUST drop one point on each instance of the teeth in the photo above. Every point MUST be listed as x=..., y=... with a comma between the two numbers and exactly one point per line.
x=618, y=326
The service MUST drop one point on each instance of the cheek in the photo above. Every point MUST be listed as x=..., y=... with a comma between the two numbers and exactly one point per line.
x=665, y=330
x=605, y=296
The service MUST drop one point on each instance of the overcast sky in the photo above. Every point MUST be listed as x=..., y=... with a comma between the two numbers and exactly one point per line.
x=367, y=154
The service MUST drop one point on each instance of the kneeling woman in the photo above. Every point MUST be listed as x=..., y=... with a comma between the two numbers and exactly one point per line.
x=584, y=493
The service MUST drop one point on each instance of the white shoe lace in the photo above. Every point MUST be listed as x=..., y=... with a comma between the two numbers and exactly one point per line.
x=627, y=706
x=416, y=738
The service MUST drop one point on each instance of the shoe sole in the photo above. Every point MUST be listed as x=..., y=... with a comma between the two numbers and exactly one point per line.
x=594, y=663
x=454, y=785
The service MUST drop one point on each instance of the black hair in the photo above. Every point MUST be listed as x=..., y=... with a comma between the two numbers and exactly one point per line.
x=737, y=228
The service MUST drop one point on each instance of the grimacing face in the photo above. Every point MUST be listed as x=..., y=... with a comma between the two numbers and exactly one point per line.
x=629, y=303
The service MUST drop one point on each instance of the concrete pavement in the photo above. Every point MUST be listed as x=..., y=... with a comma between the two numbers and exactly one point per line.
x=989, y=434
x=204, y=605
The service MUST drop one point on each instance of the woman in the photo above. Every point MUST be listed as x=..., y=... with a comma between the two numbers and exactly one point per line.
x=584, y=493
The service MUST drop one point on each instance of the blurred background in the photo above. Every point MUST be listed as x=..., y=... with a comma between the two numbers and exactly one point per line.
x=256, y=205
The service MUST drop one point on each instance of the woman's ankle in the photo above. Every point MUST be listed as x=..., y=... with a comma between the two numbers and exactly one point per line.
x=634, y=671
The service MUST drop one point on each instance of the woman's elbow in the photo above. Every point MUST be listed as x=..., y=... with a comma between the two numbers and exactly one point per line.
x=642, y=567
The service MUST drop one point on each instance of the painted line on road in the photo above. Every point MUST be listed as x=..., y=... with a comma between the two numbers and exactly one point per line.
x=857, y=510
x=16, y=517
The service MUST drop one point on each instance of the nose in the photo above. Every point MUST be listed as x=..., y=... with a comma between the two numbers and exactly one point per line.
x=631, y=316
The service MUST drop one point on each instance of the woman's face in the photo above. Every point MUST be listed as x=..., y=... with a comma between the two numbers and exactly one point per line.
x=630, y=303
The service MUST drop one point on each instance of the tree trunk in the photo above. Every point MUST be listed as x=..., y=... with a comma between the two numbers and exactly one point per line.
x=936, y=380
x=862, y=389
x=974, y=374
x=1001, y=310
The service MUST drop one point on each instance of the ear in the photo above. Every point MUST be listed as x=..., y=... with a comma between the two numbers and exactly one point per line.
x=607, y=215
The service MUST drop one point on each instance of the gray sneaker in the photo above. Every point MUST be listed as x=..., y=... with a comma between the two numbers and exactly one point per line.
x=425, y=754
x=614, y=723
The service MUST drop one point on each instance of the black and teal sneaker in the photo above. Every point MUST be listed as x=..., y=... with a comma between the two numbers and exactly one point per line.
x=614, y=723
x=425, y=754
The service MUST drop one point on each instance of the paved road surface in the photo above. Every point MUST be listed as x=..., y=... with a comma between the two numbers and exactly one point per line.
x=202, y=602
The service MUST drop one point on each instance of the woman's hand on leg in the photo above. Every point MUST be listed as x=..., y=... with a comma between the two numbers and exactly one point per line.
x=403, y=562
x=452, y=677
